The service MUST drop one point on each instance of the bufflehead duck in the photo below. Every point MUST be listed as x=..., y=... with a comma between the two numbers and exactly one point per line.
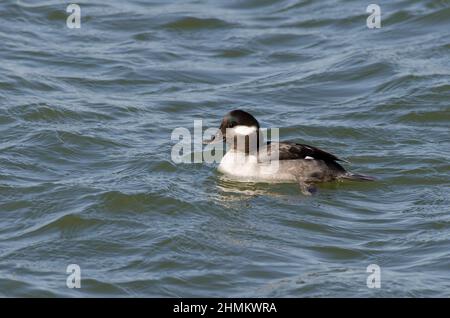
x=252, y=159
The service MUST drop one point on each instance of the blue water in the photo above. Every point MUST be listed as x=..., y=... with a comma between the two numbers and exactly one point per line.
x=86, y=176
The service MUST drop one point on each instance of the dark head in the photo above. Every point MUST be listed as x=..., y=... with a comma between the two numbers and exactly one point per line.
x=238, y=118
x=235, y=124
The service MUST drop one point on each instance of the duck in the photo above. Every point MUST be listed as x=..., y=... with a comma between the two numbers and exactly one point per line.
x=251, y=158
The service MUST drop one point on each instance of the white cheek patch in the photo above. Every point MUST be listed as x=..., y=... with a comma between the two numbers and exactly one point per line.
x=244, y=130
x=309, y=158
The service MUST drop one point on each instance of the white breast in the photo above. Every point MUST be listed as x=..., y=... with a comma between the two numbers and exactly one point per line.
x=245, y=167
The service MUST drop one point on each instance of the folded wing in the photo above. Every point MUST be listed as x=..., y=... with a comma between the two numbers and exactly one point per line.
x=295, y=151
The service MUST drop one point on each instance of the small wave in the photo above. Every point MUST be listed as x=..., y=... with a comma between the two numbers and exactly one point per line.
x=435, y=116
x=15, y=287
x=398, y=17
x=254, y=4
x=198, y=24
x=46, y=113
x=234, y=52
x=67, y=225
x=117, y=201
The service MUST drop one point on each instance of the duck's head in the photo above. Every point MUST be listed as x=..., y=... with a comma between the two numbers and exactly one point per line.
x=237, y=125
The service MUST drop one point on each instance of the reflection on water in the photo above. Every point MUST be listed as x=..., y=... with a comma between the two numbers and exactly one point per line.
x=231, y=190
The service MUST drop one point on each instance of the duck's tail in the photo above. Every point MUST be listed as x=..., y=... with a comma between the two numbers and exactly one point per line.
x=357, y=177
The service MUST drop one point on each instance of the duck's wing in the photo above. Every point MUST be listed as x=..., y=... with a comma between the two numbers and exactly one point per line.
x=295, y=151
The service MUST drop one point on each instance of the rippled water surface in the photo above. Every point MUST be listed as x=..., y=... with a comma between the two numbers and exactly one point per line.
x=86, y=176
